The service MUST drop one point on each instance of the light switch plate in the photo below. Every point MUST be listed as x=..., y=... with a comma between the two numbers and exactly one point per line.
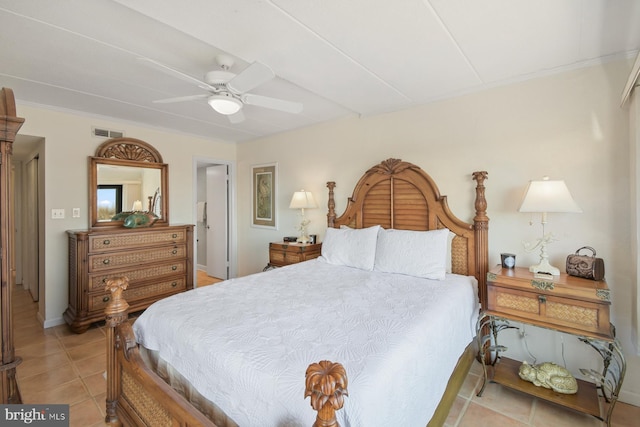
x=57, y=213
x=76, y=213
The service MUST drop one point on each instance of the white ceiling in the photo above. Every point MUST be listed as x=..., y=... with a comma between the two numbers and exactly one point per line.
x=337, y=57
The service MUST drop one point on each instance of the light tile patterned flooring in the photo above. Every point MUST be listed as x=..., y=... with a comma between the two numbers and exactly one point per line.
x=62, y=367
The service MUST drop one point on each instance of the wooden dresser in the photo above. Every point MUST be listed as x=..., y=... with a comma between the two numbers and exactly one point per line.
x=157, y=260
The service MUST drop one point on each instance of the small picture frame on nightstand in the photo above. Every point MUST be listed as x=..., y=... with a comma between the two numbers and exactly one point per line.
x=508, y=260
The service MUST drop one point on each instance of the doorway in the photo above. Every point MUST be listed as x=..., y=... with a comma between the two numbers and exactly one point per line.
x=28, y=191
x=214, y=204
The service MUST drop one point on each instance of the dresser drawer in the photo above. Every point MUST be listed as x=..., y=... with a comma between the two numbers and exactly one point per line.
x=128, y=258
x=550, y=310
x=117, y=241
x=99, y=301
x=97, y=280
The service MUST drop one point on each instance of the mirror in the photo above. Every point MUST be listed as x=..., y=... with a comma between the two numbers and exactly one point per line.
x=127, y=175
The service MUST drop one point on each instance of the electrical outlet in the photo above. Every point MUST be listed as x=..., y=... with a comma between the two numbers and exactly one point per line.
x=76, y=213
x=57, y=213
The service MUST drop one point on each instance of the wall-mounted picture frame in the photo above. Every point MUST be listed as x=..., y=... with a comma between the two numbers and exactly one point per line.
x=264, y=187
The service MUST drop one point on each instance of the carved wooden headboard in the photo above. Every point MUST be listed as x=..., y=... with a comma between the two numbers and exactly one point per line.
x=400, y=195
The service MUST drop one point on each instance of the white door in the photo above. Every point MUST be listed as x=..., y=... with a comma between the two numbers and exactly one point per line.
x=217, y=223
x=30, y=261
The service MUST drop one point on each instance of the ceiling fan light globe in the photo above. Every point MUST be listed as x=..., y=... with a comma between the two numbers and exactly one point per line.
x=224, y=104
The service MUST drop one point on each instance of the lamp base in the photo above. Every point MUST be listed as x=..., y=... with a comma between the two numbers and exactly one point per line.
x=303, y=239
x=545, y=267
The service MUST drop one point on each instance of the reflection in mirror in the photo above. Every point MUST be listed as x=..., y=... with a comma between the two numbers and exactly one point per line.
x=109, y=201
x=126, y=188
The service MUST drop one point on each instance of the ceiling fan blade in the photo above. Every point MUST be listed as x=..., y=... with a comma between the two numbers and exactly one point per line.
x=181, y=98
x=252, y=76
x=237, y=117
x=175, y=73
x=273, y=103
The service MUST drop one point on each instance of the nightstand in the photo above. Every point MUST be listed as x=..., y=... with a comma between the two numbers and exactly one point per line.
x=567, y=304
x=285, y=253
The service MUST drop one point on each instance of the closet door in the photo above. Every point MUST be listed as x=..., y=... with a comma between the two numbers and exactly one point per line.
x=30, y=248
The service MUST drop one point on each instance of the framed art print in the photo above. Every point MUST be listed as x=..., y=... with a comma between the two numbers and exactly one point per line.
x=263, y=193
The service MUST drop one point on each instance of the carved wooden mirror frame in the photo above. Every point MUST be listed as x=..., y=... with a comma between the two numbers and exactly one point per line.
x=131, y=153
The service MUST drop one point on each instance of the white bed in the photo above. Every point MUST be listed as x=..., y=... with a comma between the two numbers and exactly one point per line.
x=380, y=302
x=246, y=343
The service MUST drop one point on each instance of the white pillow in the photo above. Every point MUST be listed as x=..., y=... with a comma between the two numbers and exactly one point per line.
x=415, y=253
x=351, y=247
x=452, y=235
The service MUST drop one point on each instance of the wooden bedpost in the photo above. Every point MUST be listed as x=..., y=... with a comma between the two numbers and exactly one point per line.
x=331, y=216
x=326, y=384
x=481, y=230
x=481, y=227
x=116, y=313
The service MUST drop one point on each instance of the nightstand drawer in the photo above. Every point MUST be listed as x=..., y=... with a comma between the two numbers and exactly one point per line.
x=281, y=254
x=549, y=310
x=279, y=257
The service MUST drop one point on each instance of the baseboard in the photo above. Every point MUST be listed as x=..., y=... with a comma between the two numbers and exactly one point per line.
x=52, y=322
x=201, y=267
x=629, y=397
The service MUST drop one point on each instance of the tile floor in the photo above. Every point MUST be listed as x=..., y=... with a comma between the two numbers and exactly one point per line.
x=62, y=367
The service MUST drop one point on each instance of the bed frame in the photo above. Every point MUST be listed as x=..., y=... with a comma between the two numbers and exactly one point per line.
x=393, y=194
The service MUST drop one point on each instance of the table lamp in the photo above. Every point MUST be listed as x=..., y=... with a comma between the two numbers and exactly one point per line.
x=543, y=197
x=303, y=200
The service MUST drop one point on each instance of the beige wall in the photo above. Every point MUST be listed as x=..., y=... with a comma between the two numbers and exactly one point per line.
x=568, y=126
x=68, y=144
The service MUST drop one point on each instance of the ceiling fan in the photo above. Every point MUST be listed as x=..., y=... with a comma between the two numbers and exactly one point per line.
x=226, y=91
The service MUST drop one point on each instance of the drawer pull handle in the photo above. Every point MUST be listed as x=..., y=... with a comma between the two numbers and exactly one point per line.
x=105, y=299
x=105, y=261
x=174, y=284
x=175, y=251
x=175, y=236
x=174, y=267
x=542, y=299
x=106, y=242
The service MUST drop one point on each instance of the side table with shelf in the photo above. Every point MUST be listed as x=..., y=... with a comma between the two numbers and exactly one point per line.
x=567, y=304
x=286, y=253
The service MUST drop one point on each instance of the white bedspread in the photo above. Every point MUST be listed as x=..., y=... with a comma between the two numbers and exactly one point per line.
x=245, y=344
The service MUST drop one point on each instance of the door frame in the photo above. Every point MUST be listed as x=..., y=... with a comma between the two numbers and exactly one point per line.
x=203, y=162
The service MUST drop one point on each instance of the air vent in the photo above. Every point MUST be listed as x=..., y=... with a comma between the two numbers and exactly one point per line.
x=106, y=133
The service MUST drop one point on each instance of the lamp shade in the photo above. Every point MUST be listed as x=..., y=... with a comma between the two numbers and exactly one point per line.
x=548, y=196
x=303, y=200
x=224, y=104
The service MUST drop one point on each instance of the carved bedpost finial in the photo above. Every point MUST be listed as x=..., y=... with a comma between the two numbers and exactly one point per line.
x=481, y=201
x=116, y=285
x=326, y=384
x=331, y=216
